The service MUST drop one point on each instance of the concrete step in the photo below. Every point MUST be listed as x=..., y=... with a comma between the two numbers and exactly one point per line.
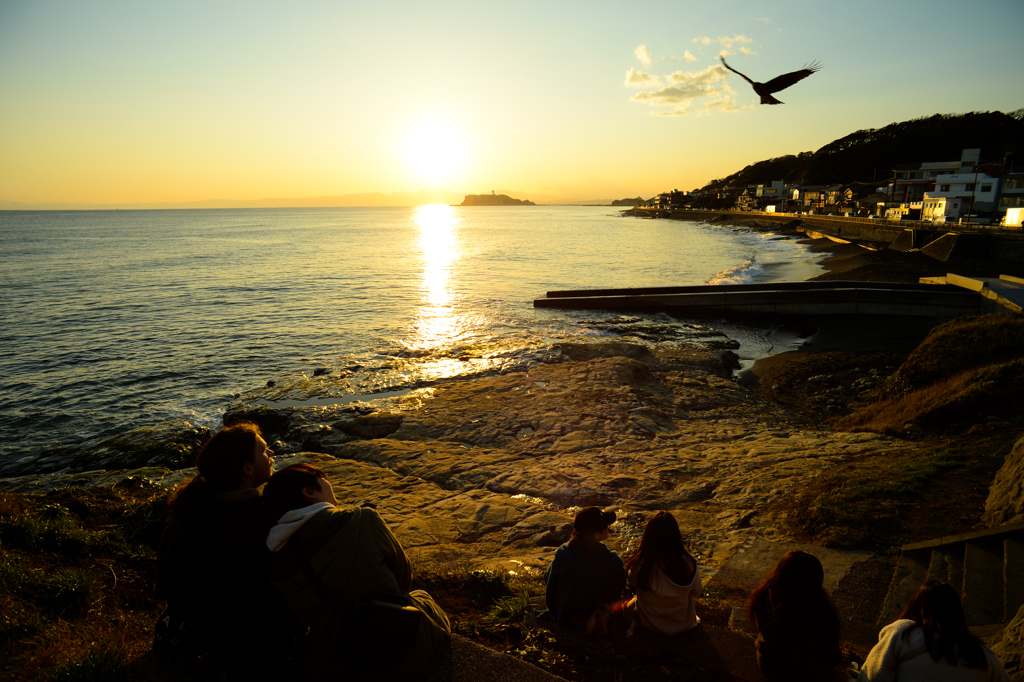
x=911, y=572
x=983, y=582
x=1013, y=576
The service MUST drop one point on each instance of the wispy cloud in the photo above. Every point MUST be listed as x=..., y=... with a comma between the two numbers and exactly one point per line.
x=643, y=54
x=684, y=93
x=764, y=20
x=639, y=79
x=725, y=41
x=686, y=88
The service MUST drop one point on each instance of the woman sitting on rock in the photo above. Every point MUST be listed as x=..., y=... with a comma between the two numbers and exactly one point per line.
x=346, y=577
x=665, y=578
x=930, y=641
x=584, y=577
x=213, y=566
x=798, y=622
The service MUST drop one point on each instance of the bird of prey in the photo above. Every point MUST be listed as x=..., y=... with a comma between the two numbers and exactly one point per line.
x=782, y=82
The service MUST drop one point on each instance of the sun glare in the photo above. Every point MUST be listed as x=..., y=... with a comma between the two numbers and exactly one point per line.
x=436, y=152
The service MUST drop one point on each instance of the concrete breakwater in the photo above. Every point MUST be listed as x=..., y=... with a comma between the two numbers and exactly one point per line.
x=779, y=299
x=955, y=242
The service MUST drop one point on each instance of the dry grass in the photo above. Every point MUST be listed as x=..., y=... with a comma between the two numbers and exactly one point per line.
x=964, y=370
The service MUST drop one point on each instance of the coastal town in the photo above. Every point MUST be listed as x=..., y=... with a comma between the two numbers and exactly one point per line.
x=973, y=189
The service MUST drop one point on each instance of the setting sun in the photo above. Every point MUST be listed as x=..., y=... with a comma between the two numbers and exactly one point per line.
x=436, y=152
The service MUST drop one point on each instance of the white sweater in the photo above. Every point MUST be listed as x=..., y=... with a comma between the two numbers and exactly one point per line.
x=907, y=660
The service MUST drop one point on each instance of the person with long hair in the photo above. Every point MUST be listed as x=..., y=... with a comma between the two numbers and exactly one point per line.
x=930, y=642
x=584, y=577
x=213, y=567
x=665, y=578
x=798, y=624
x=347, y=578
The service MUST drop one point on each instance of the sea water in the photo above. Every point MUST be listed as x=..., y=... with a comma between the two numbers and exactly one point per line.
x=111, y=320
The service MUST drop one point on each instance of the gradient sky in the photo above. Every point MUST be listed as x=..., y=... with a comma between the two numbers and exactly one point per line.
x=135, y=102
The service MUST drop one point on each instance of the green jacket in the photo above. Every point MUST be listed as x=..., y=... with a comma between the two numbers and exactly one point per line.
x=355, y=555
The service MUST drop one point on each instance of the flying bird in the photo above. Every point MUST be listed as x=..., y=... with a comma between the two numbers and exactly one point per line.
x=782, y=82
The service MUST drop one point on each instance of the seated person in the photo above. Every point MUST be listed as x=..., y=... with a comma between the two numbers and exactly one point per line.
x=930, y=641
x=666, y=579
x=328, y=562
x=584, y=576
x=213, y=566
x=797, y=621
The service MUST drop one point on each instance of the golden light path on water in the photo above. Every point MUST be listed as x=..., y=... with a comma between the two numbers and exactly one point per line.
x=438, y=324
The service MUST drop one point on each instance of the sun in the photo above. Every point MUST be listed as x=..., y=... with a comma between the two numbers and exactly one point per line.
x=436, y=152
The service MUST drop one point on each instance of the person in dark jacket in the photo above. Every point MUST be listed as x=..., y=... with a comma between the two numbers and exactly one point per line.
x=330, y=563
x=798, y=623
x=584, y=577
x=213, y=566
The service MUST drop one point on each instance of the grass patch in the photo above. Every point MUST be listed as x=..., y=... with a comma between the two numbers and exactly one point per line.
x=857, y=510
x=98, y=664
x=52, y=529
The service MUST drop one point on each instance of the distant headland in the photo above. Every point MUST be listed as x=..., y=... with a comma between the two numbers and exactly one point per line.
x=493, y=199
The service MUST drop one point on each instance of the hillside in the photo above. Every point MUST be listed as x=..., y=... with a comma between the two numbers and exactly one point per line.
x=870, y=155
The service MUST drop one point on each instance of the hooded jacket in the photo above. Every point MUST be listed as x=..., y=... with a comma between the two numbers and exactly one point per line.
x=355, y=555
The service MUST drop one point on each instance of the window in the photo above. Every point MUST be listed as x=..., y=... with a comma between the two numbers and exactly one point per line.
x=969, y=187
x=986, y=188
x=1015, y=183
x=944, y=188
x=916, y=176
x=1011, y=202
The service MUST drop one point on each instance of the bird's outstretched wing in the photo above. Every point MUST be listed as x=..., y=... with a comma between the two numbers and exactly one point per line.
x=741, y=75
x=784, y=81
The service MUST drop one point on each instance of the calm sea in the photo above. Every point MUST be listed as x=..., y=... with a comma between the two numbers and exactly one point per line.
x=116, y=319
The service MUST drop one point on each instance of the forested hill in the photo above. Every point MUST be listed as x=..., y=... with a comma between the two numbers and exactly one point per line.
x=870, y=155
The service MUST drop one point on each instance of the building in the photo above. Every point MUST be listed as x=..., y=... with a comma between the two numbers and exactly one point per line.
x=943, y=209
x=911, y=181
x=978, y=190
x=1011, y=193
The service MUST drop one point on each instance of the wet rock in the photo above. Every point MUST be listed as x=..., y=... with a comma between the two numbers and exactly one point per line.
x=370, y=426
x=173, y=445
x=270, y=420
x=320, y=371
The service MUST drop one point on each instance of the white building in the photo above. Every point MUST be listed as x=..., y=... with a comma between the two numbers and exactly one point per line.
x=977, y=189
x=943, y=209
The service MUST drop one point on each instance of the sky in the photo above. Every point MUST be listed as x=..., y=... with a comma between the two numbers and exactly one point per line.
x=129, y=102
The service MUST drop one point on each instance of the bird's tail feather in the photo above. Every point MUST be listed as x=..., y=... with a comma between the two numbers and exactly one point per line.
x=768, y=99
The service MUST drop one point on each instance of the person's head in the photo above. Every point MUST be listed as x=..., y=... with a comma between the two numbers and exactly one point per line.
x=591, y=525
x=936, y=608
x=295, y=487
x=236, y=457
x=661, y=541
x=795, y=585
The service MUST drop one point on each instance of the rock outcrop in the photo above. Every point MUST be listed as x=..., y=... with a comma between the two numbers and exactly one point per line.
x=1005, y=503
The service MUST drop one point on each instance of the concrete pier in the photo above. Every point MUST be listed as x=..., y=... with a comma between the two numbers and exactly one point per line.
x=780, y=299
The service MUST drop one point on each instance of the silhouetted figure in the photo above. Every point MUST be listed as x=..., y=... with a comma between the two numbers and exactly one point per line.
x=797, y=621
x=782, y=82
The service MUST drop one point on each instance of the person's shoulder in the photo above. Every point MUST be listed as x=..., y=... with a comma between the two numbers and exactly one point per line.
x=610, y=555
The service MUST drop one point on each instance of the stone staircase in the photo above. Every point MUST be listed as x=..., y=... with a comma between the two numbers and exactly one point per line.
x=986, y=568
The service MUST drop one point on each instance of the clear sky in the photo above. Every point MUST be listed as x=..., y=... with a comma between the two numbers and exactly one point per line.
x=135, y=102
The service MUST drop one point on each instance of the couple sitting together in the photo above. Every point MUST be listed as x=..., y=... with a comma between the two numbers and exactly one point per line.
x=799, y=628
x=261, y=581
x=585, y=580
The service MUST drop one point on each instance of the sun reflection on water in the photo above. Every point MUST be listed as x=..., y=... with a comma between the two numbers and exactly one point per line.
x=438, y=323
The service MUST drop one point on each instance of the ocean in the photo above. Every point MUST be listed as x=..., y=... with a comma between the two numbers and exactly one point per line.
x=113, y=320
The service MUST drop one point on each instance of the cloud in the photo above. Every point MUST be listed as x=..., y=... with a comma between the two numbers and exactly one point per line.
x=746, y=50
x=692, y=92
x=687, y=57
x=643, y=54
x=639, y=79
x=725, y=41
x=764, y=20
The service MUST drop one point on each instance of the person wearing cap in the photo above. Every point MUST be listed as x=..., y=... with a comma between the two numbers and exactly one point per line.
x=584, y=575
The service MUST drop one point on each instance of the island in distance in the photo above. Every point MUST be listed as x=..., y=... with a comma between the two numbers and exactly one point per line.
x=493, y=199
